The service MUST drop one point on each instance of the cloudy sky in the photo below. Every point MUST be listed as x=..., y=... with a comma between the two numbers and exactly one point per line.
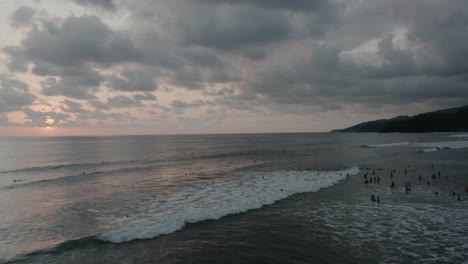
x=72, y=67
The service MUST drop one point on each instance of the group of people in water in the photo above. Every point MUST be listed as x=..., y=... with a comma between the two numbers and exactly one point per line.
x=376, y=179
x=371, y=179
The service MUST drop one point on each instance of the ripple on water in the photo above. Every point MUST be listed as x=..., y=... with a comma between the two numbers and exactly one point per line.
x=416, y=233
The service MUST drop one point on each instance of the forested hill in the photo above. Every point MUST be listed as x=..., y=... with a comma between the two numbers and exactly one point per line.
x=446, y=120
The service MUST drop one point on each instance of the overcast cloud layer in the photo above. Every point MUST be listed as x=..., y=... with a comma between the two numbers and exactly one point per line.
x=180, y=66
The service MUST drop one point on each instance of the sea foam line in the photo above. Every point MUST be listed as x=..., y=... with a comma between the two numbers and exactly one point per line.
x=433, y=146
x=213, y=201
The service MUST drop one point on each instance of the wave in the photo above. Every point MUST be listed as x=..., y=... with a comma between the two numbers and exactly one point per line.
x=201, y=202
x=459, y=136
x=56, y=249
x=435, y=146
x=90, y=165
x=77, y=165
x=388, y=145
x=78, y=176
x=209, y=202
x=432, y=146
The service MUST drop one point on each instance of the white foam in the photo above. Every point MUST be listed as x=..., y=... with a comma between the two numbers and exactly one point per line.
x=213, y=201
x=432, y=146
x=389, y=145
x=459, y=136
x=443, y=145
x=430, y=150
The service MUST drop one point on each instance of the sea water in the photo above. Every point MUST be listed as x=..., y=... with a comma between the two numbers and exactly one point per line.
x=246, y=198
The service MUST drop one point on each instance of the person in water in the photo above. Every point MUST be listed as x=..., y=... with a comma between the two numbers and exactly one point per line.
x=378, y=199
x=392, y=185
x=372, y=198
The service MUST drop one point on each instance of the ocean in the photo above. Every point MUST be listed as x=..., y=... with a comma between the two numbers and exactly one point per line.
x=240, y=198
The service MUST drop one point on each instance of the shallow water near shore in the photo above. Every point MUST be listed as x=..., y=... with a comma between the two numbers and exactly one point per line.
x=253, y=198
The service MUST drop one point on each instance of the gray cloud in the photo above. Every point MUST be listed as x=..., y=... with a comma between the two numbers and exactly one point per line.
x=14, y=95
x=133, y=81
x=145, y=97
x=179, y=104
x=17, y=61
x=99, y=117
x=296, y=5
x=22, y=16
x=106, y=4
x=78, y=40
x=44, y=118
x=98, y=105
x=275, y=56
x=232, y=28
x=72, y=107
x=122, y=101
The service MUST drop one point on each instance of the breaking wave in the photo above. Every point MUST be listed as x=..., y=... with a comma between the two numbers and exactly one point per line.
x=213, y=201
x=432, y=146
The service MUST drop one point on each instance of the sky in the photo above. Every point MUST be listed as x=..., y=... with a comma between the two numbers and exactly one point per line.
x=115, y=67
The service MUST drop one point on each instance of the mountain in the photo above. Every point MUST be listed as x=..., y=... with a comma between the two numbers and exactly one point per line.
x=446, y=120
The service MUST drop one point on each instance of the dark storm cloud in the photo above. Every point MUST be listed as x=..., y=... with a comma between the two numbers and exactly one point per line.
x=22, y=16
x=106, y=4
x=14, y=95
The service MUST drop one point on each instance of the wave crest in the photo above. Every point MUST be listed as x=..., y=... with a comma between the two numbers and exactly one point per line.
x=225, y=197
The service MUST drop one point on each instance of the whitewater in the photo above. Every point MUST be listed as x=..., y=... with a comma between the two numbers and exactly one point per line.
x=170, y=213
